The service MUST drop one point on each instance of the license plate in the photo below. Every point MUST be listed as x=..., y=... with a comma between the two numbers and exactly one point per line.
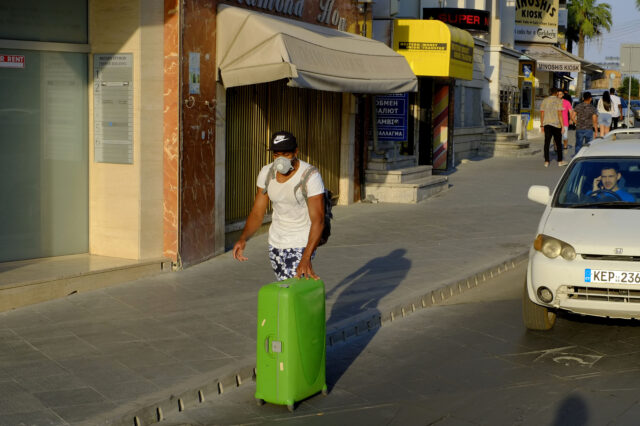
x=614, y=277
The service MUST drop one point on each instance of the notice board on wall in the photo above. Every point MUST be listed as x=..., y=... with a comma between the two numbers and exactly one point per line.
x=391, y=116
x=113, y=108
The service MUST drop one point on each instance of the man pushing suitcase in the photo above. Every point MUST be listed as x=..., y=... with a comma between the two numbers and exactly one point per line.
x=290, y=350
x=296, y=191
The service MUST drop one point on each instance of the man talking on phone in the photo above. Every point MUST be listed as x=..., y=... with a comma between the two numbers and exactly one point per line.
x=608, y=181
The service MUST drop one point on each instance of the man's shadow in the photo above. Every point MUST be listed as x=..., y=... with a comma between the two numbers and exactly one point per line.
x=360, y=293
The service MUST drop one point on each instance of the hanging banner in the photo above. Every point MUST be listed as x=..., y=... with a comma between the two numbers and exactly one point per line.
x=537, y=20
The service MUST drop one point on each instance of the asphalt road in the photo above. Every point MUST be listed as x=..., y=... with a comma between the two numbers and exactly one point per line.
x=470, y=362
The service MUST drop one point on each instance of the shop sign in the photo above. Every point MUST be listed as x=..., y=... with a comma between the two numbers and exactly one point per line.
x=11, y=61
x=537, y=21
x=558, y=66
x=467, y=19
x=391, y=117
x=329, y=14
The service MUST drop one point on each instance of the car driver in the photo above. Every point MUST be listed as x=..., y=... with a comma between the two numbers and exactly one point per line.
x=608, y=180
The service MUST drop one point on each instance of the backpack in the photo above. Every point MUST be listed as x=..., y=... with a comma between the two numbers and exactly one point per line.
x=302, y=185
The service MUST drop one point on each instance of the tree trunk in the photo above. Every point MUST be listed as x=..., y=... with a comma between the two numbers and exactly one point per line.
x=579, y=87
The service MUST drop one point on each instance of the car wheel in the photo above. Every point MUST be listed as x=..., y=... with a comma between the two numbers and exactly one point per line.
x=536, y=317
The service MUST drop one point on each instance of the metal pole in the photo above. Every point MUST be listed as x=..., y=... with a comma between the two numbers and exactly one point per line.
x=629, y=104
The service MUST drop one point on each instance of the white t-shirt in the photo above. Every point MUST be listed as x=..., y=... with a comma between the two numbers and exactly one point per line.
x=290, y=222
x=615, y=105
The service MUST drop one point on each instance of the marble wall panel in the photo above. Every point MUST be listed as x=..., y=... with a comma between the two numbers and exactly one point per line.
x=171, y=128
x=197, y=186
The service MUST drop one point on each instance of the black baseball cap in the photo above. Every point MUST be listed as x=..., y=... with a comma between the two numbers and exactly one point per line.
x=283, y=142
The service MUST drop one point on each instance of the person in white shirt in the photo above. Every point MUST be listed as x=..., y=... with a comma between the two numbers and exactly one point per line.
x=296, y=222
x=616, y=112
x=605, y=108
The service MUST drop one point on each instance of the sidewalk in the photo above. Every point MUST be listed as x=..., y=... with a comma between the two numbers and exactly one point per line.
x=96, y=357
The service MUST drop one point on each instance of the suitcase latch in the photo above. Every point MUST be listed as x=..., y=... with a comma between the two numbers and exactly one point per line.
x=276, y=346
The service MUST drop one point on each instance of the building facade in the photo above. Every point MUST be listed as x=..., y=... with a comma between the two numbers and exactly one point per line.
x=135, y=129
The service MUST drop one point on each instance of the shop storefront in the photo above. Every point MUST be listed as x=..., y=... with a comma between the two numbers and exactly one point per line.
x=438, y=54
x=43, y=115
x=277, y=74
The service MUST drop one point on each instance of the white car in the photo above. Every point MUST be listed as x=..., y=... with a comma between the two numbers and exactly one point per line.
x=586, y=256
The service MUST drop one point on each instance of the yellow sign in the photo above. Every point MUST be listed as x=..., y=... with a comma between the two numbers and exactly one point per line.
x=433, y=48
x=537, y=20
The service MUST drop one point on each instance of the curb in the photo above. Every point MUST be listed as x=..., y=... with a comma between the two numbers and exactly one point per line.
x=193, y=394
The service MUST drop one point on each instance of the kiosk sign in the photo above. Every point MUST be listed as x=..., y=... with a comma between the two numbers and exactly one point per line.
x=391, y=117
x=537, y=21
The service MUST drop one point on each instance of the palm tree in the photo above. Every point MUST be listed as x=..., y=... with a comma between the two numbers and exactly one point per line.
x=587, y=20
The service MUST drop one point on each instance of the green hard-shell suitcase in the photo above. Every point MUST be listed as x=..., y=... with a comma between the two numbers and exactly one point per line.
x=290, y=357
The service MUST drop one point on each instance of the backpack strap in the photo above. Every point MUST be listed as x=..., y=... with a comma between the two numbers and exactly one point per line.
x=302, y=185
x=270, y=176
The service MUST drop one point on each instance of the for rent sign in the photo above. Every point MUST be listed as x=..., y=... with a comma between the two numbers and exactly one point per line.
x=11, y=61
x=537, y=20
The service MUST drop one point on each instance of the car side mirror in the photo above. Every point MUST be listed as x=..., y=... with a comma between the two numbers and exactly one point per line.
x=539, y=194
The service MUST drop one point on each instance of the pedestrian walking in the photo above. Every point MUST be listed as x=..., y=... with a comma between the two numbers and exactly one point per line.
x=566, y=117
x=585, y=118
x=298, y=215
x=616, y=104
x=567, y=96
x=551, y=124
x=605, y=109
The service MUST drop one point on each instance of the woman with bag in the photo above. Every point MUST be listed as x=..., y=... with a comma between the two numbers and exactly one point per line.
x=605, y=110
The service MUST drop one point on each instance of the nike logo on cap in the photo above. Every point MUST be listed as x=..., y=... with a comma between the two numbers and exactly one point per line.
x=279, y=138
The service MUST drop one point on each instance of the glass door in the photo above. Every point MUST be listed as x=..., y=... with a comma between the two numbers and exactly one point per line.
x=43, y=155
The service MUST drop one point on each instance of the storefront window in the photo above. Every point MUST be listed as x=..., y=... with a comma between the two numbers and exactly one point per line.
x=44, y=161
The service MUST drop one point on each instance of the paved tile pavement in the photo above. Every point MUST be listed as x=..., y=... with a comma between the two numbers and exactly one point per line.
x=94, y=356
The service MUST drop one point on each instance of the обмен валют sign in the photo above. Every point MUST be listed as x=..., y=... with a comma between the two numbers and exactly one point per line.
x=391, y=117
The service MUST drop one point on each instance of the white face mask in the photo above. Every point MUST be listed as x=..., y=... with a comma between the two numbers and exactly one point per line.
x=283, y=165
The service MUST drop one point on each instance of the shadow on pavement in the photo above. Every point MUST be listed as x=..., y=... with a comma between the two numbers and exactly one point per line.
x=362, y=291
x=572, y=411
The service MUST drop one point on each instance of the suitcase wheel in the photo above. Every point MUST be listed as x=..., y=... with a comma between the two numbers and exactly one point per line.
x=260, y=402
x=290, y=407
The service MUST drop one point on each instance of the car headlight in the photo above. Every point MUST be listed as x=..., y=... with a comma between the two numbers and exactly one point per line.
x=552, y=247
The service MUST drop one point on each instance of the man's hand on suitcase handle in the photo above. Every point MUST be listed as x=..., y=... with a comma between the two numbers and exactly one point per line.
x=238, y=250
x=304, y=269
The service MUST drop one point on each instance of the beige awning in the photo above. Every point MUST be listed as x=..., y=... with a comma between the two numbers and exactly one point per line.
x=253, y=47
x=554, y=59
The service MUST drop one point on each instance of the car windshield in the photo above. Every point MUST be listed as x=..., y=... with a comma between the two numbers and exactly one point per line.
x=635, y=103
x=601, y=183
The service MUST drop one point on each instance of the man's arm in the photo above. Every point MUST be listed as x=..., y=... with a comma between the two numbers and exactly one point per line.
x=254, y=222
x=574, y=116
x=561, y=121
x=316, y=214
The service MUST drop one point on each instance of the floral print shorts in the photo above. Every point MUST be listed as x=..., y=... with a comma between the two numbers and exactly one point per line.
x=285, y=261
